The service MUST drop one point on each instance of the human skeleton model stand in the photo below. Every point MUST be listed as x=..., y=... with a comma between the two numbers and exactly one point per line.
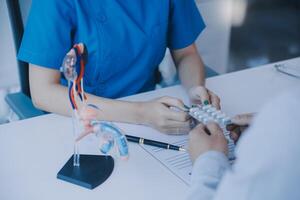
x=107, y=133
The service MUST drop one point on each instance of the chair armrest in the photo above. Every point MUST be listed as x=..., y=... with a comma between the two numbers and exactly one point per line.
x=22, y=105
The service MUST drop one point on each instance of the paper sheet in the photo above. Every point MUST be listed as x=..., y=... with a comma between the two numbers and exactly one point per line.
x=177, y=162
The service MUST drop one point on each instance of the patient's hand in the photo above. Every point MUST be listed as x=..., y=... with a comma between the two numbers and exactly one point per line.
x=239, y=124
x=206, y=138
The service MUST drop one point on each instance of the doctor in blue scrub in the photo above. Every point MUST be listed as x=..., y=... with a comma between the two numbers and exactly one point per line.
x=126, y=40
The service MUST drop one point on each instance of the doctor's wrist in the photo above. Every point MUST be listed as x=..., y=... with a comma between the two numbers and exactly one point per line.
x=141, y=113
x=147, y=113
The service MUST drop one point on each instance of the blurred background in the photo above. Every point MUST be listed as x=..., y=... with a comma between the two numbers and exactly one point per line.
x=240, y=34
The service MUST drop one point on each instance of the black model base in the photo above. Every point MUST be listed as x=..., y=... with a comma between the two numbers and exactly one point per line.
x=93, y=170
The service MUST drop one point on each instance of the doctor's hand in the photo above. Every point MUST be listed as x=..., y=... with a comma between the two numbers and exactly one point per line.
x=206, y=138
x=201, y=95
x=86, y=115
x=167, y=115
x=239, y=124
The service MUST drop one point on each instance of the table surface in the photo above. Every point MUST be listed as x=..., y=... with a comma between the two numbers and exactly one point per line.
x=34, y=150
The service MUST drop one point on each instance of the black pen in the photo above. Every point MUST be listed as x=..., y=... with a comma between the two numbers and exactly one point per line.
x=154, y=143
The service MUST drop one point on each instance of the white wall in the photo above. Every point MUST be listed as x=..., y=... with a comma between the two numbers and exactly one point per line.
x=213, y=43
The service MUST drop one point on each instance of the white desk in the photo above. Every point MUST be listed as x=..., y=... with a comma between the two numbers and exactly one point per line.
x=33, y=151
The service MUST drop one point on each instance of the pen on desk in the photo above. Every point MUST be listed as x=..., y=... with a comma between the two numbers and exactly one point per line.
x=154, y=143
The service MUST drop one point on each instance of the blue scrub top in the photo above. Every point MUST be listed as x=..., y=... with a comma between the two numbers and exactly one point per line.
x=126, y=39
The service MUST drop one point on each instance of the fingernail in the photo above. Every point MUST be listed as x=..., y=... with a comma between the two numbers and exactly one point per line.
x=186, y=107
x=206, y=102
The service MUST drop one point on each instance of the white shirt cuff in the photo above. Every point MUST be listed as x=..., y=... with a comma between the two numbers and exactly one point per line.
x=211, y=163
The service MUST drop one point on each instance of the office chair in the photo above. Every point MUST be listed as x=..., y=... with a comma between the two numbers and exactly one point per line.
x=20, y=102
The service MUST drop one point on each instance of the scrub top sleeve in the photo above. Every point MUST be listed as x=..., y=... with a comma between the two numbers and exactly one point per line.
x=48, y=33
x=185, y=24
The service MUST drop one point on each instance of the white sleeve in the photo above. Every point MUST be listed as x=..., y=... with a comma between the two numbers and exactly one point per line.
x=207, y=172
x=267, y=165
